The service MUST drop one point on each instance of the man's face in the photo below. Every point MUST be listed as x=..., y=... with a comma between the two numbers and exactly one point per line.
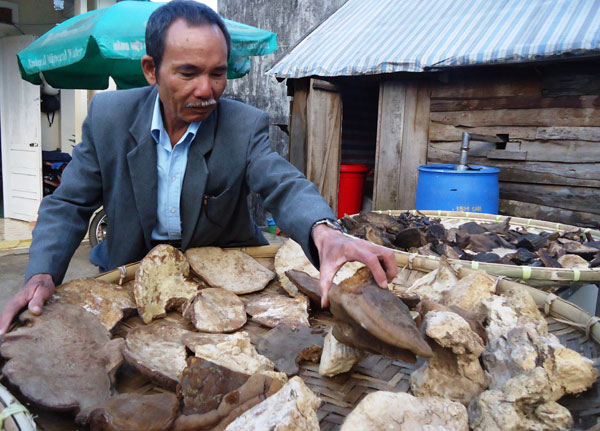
x=193, y=72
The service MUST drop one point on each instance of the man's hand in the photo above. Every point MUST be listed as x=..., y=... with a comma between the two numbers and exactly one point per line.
x=35, y=292
x=335, y=249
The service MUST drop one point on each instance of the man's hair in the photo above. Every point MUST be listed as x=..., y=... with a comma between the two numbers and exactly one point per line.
x=194, y=13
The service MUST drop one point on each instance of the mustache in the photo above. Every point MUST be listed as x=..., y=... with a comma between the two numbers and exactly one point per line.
x=201, y=104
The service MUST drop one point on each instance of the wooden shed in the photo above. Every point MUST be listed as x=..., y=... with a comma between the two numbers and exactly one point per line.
x=394, y=83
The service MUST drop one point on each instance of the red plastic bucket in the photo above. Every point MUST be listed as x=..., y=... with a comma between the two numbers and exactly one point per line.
x=352, y=179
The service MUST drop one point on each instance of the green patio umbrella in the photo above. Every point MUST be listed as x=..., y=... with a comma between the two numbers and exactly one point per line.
x=85, y=50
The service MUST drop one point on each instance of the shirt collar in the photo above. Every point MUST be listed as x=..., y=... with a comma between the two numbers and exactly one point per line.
x=157, y=128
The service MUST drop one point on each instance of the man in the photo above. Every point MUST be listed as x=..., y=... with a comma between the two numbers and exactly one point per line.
x=171, y=163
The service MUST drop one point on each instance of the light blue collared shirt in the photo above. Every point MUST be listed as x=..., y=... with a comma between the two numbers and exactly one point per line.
x=171, y=162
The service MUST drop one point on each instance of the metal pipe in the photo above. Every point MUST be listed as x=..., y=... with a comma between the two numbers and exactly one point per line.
x=464, y=151
x=464, y=148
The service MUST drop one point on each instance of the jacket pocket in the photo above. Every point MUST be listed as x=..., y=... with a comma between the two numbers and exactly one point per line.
x=220, y=208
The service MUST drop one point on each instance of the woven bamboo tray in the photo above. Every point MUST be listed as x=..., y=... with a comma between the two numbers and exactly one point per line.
x=573, y=326
x=544, y=278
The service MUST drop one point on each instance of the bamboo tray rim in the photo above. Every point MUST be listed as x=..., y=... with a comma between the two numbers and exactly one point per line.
x=522, y=222
x=520, y=272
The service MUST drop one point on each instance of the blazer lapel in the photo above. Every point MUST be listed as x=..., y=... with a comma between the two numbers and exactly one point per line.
x=142, y=162
x=194, y=181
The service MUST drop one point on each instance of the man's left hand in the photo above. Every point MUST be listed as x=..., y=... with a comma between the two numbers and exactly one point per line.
x=335, y=249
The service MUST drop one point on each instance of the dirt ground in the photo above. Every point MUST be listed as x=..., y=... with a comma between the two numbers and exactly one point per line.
x=12, y=270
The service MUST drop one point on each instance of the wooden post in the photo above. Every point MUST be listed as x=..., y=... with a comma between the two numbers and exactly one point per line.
x=324, y=143
x=298, y=130
x=402, y=137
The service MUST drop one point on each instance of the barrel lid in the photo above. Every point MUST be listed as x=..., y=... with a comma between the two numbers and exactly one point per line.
x=449, y=169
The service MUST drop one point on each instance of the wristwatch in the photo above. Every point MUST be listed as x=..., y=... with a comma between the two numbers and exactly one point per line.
x=333, y=224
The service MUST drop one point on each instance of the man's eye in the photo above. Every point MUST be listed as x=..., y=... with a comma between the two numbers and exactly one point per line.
x=187, y=74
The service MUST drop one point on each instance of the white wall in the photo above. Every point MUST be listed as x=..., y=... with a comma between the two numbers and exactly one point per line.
x=37, y=17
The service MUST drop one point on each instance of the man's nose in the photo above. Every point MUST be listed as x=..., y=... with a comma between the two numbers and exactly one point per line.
x=202, y=87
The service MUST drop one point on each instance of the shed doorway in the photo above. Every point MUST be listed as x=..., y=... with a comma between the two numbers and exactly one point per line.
x=360, y=101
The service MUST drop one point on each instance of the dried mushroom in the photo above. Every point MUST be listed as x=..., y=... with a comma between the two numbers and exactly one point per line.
x=215, y=310
x=161, y=282
x=382, y=410
x=109, y=302
x=62, y=359
x=417, y=233
x=233, y=270
x=292, y=408
x=368, y=317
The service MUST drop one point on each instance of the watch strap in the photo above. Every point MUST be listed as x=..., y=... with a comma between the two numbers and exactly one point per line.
x=332, y=223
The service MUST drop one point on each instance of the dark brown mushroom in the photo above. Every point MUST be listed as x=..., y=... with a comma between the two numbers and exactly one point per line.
x=286, y=347
x=359, y=301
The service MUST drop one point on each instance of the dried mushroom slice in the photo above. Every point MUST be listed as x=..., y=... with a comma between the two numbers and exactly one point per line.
x=161, y=282
x=61, y=359
x=337, y=357
x=425, y=306
x=345, y=329
x=233, y=270
x=192, y=339
x=379, y=409
x=133, y=412
x=286, y=347
x=293, y=407
x=229, y=406
x=273, y=310
x=107, y=301
x=204, y=384
x=433, y=285
x=216, y=310
x=573, y=261
x=351, y=334
x=380, y=312
x=158, y=352
x=235, y=352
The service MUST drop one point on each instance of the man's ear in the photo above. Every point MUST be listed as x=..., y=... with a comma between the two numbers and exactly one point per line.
x=149, y=69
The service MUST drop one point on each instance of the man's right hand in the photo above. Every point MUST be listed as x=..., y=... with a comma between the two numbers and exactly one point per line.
x=36, y=291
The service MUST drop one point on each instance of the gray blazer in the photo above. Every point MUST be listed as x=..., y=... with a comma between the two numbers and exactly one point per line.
x=115, y=165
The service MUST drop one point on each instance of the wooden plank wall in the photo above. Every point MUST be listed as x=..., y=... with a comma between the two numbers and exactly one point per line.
x=550, y=168
x=297, y=122
x=402, y=132
x=324, y=138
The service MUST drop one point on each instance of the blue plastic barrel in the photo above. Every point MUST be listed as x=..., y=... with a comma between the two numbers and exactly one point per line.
x=441, y=187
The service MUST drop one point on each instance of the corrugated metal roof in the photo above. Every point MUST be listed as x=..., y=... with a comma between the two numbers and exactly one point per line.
x=368, y=37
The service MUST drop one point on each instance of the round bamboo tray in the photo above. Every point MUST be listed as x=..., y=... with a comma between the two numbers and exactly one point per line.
x=544, y=278
x=575, y=328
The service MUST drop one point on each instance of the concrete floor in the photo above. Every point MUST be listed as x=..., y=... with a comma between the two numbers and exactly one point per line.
x=12, y=270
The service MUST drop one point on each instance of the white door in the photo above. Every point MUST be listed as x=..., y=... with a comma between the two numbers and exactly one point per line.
x=21, y=134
